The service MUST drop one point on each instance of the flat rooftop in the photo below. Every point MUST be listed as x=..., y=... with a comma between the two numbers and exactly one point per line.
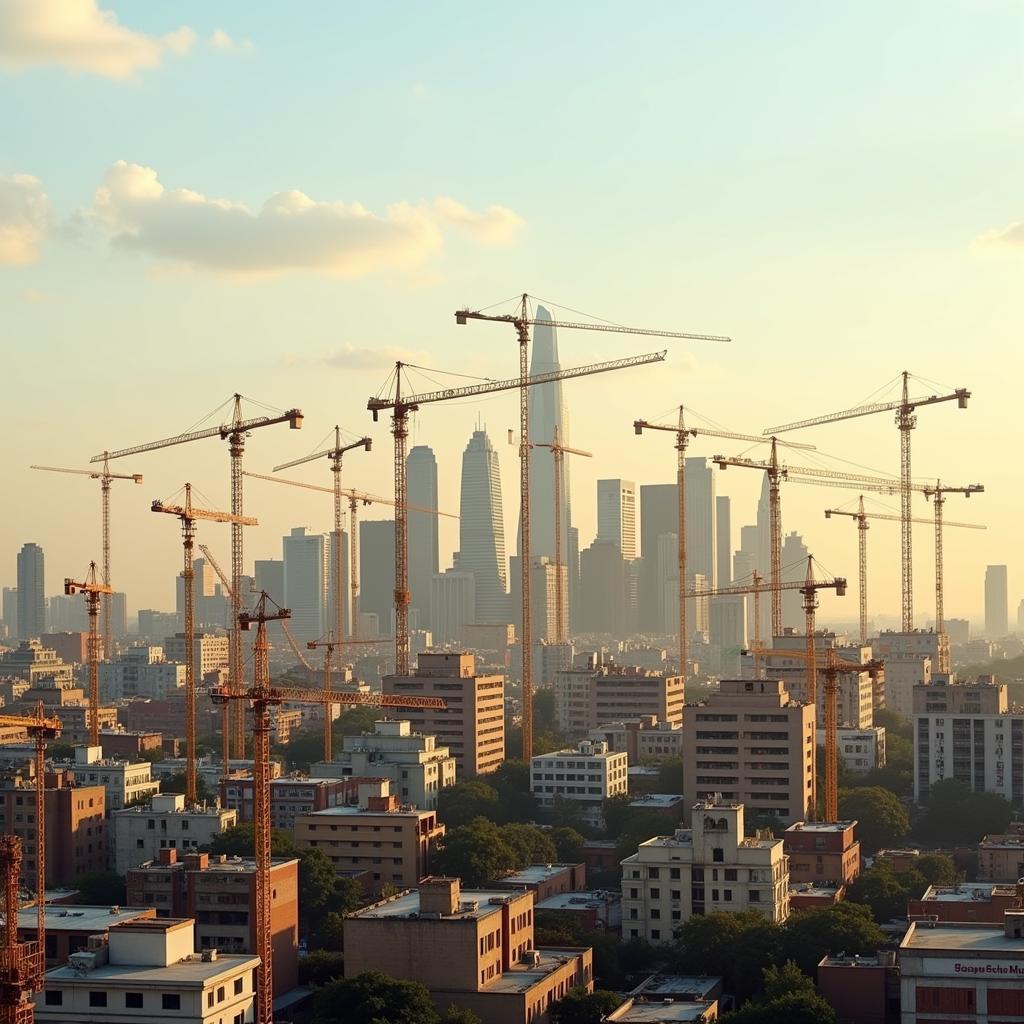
x=533, y=874
x=657, y=801
x=667, y=986
x=662, y=1012
x=407, y=904
x=820, y=826
x=578, y=900
x=522, y=977
x=962, y=938
x=968, y=892
x=239, y=865
x=191, y=972
x=349, y=812
x=1002, y=843
x=70, y=917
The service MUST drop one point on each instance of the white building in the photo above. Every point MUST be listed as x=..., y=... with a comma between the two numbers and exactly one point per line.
x=860, y=750
x=140, y=833
x=616, y=515
x=124, y=781
x=452, y=605
x=644, y=739
x=710, y=867
x=417, y=767
x=145, y=970
x=210, y=651
x=910, y=659
x=587, y=776
x=142, y=671
x=305, y=583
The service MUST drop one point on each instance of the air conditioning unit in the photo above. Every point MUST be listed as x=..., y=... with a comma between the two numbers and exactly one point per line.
x=531, y=957
x=209, y=956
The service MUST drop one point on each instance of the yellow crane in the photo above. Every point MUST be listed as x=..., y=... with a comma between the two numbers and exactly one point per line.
x=234, y=431
x=92, y=591
x=906, y=419
x=188, y=514
x=105, y=478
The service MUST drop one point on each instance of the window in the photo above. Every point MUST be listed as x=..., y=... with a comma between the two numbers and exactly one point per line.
x=727, y=895
x=718, y=855
x=97, y=998
x=730, y=874
x=754, y=896
x=209, y=999
x=53, y=997
x=220, y=994
x=170, y=1001
x=655, y=933
x=133, y=1000
x=655, y=894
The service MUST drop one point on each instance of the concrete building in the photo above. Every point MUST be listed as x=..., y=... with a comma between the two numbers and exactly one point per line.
x=75, y=717
x=417, y=767
x=546, y=880
x=148, y=969
x=453, y=605
x=701, y=519
x=723, y=540
x=997, y=602
x=421, y=478
x=305, y=583
x=140, y=833
x=31, y=591
x=377, y=573
x=644, y=740
x=1001, y=858
x=9, y=612
x=69, y=926
x=597, y=910
x=658, y=516
x=910, y=660
x=751, y=743
x=822, y=852
x=141, y=671
x=966, y=731
x=708, y=868
x=586, y=776
x=392, y=843
x=593, y=693
x=860, y=750
x=602, y=590
x=290, y=797
x=861, y=989
x=219, y=893
x=268, y=574
x=124, y=782
x=210, y=650
x=963, y=972
x=70, y=647
x=483, y=955
x=794, y=568
x=472, y=725
x=966, y=902
x=37, y=664
x=616, y=515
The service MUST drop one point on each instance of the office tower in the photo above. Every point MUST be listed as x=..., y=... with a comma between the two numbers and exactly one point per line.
x=118, y=617
x=31, y=591
x=330, y=618
x=453, y=601
x=377, y=572
x=482, y=529
x=543, y=592
x=723, y=540
x=701, y=519
x=269, y=576
x=727, y=625
x=996, y=602
x=658, y=515
x=959, y=630
x=603, y=589
x=794, y=569
x=9, y=611
x=616, y=515
x=305, y=583
x=421, y=477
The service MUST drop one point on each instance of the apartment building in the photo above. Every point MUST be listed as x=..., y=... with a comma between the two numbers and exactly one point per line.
x=645, y=740
x=36, y=663
x=586, y=776
x=701, y=870
x=822, y=852
x=482, y=958
x=754, y=745
x=416, y=765
x=125, y=782
x=69, y=926
x=141, y=671
x=472, y=725
x=210, y=651
x=290, y=796
x=1001, y=858
x=860, y=750
x=219, y=893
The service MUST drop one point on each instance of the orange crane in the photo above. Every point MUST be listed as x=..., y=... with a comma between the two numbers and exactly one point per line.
x=906, y=420
x=335, y=454
x=861, y=517
x=522, y=320
x=23, y=964
x=235, y=431
x=683, y=434
x=262, y=696
x=355, y=498
x=92, y=592
x=105, y=477
x=188, y=516
x=401, y=405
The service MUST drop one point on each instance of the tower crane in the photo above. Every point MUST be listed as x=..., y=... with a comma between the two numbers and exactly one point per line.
x=105, y=478
x=683, y=434
x=235, y=431
x=22, y=964
x=188, y=515
x=861, y=517
x=906, y=420
x=262, y=696
x=335, y=455
x=401, y=405
x=92, y=591
x=355, y=498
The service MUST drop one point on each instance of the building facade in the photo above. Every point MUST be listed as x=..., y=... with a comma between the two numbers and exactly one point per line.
x=31, y=591
x=421, y=481
x=997, y=602
x=141, y=671
x=586, y=777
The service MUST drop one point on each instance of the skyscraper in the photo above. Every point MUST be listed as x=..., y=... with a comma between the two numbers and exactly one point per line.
x=330, y=617
x=482, y=529
x=31, y=591
x=616, y=515
x=658, y=515
x=377, y=571
x=794, y=569
x=421, y=477
x=723, y=540
x=305, y=583
x=701, y=519
x=269, y=576
x=996, y=602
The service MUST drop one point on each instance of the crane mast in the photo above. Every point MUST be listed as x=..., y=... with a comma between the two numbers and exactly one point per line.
x=92, y=591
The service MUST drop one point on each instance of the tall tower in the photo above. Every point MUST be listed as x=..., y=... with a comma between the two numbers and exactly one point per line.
x=482, y=529
x=723, y=540
x=421, y=477
x=31, y=591
x=794, y=569
x=701, y=519
x=305, y=583
x=996, y=602
x=616, y=515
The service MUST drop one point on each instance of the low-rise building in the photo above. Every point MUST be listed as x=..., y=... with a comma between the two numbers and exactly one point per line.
x=68, y=926
x=671, y=805
x=709, y=867
x=141, y=671
x=75, y=719
x=482, y=952
x=210, y=769
x=822, y=852
x=815, y=895
x=125, y=782
x=416, y=765
x=1001, y=858
x=861, y=989
x=966, y=902
x=140, y=833
x=219, y=893
x=131, y=745
x=148, y=969
x=71, y=647
x=670, y=998
x=290, y=796
x=35, y=663
x=392, y=842
x=597, y=909
x=209, y=649
x=860, y=750
x=586, y=776
x=545, y=880
x=645, y=740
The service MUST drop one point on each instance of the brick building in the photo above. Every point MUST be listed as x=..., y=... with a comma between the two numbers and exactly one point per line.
x=822, y=852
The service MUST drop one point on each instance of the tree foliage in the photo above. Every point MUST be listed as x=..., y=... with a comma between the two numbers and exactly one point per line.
x=881, y=819
x=582, y=1007
x=955, y=814
x=460, y=804
x=320, y=967
x=373, y=998
x=99, y=888
x=794, y=1008
x=568, y=844
x=886, y=893
x=176, y=784
x=475, y=852
x=813, y=934
x=670, y=775
x=894, y=724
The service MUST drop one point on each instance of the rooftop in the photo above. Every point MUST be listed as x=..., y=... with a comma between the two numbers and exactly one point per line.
x=194, y=971
x=657, y=801
x=403, y=811
x=699, y=986
x=71, y=917
x=968, y=892
x=961, y=938
x=534, y=873
x=591, y=900
x=820, y=826
x=407, y=904
x=856, y=961
x=522, y=977
x=663, y=1011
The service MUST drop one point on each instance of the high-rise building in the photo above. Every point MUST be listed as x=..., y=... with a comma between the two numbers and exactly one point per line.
x=1020, y=616
x=453, y=600
x=996, y=602
x=31, y=591
x=305, y=583
x=9, y=611
x=723, y=540
x=794, y=569
x=377, y=572
x=421, y=479
x=332, y=589
x=603, y=586
x=543, y=598
x=658, y=515
x=701, y=519
x=616, y=515
x=482, y=529
x=269, y=576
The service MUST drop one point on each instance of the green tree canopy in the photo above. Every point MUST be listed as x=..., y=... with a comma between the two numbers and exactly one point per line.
x=955, y=814
x=937, y=869
x=320, y=967
x=475, y=852
x=373, y=998
x=846, y=927
x=581, y=1007
x=530, y=844
x=460, y=804
x=240, y=841
x=176, y=784
x=794, y=1008
x=786, y=980
x=569, y=845
x=99, y=888
x=884, y=892
x=881, y=819
x=894, y=724
x=670, y=775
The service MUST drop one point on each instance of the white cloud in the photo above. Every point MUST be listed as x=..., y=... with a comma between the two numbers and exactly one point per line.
x=78, y=36
x=349, y=357
x=1010, y=237
x=497, y=225
x=290, y=233
x=220, y=40
x=25, y=217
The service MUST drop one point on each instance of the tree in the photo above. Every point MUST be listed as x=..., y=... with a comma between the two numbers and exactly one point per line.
x=794, y=1008
x=460, y=1015
x=582, y=1007
x=894, y=724
x=568, y=844
x=955, y=814
x=476, y=853
x=937, y=869
x=373, y=998
x=846, y=927
x=176, y=784
x=786, y=980
x=100, y=888
x=516, y=802
x=530, y=844
x=670, y=775
x=882, y=891
x=460, y=804
x=320, y=967
x=897, y=772
x=881, y=818
x=240, y=841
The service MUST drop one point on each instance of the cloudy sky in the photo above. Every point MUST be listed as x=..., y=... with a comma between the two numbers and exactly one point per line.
x=198, y=199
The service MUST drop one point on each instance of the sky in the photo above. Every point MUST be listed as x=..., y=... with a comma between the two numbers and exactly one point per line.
x=198, y=199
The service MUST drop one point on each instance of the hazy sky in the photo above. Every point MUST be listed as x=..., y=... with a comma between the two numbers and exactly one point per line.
x=197, y=199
